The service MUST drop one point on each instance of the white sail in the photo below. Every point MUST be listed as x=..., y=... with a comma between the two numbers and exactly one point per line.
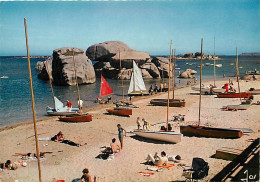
x=58, y=104
x=137, y=82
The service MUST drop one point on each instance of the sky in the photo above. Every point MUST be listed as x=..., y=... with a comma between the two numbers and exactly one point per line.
x=143, y=25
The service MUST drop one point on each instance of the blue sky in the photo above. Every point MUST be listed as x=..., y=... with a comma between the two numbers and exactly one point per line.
x=145, y=26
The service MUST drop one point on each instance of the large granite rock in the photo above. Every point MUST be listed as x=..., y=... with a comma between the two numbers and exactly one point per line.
x=188, y=73
x=63, y=67
x=44, y=74
x=39, y=65
x=162, y=64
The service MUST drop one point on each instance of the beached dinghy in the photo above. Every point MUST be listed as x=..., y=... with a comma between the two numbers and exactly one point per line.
x=77, y=118
x=202, y=131
x=162, y=135
x=166, y=136
x=254, y=91
x=137, y=86
x=238, y=107
x=120, y=111
x=234, y=95
x=60, y=109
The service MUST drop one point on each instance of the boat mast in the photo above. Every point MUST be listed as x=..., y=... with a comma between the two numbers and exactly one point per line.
x=80, y=110
x=174, y=64
x=33, y=106
x=133, y=77
x=237, y=72
x=201, y=56
x=214, y=65
x=169, y=85
x=121, y=75
x=50, y=82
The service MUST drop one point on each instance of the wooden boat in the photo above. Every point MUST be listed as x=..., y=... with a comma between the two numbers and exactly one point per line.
x=202, y=131
x=120, y=111
x=234, y=95
x=254, y=91
x=164, y=102
x=137, y=86
x=77, y=118
x=238, y=107
x=167, y=136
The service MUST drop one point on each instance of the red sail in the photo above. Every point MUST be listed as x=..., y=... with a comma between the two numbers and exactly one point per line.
x=105, y=88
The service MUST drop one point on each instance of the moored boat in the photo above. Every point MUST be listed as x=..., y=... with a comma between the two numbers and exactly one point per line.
x=77, y=118
x=172, y=102
x=167, y=136
x=238, y=107
x=202, y=131
x=234, y=95
x=120, y=111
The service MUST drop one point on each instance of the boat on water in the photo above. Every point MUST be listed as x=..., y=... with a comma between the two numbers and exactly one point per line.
x=202, y=131
x=163, y=135
x=137, y=86
x=254, y=91
x=120, y=111
x=4, y=77
x=172, y=102
x=76, y=118
x=255, y=72
x=218, y=65
x=60, y=110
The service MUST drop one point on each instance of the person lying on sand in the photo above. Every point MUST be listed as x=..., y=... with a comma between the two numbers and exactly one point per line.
x=42, y=154
x=60, y=138
x=174, y=158
x=158, y=160
x=8, y=165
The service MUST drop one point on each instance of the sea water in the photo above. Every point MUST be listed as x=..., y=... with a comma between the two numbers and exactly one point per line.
x=15, y=94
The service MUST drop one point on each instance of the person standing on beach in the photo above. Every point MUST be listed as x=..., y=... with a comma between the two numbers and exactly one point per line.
x=138, y=123
x=69, y=105
x=80, y=103
x=121, y=135
x=145, y=124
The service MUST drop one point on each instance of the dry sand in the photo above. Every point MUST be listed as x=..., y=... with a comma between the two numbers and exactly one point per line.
x=66, y=162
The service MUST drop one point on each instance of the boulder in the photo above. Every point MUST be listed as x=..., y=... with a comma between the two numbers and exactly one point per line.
x=145, y=74
x=151, y=69
x=63, y=67
x=124, y=74
x=162, y=64
x=188, y=73
x=39, y=65
x=44, y=74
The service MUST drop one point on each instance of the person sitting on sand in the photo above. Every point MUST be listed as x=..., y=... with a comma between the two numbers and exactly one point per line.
x=58, y=137
x=8, y=165
x=158, y=160
x=85, y=177
x=114, y=146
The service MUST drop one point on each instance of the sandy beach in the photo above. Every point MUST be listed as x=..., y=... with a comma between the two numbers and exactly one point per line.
x=66, y=162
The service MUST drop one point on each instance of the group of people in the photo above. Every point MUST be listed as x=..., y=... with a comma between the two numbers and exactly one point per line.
x=69, y=104
x=145, y=123
x=155, y=89
x=8, y=165
x=162, y=160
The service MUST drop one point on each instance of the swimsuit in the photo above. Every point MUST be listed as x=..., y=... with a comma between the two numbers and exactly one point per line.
x=120, y=133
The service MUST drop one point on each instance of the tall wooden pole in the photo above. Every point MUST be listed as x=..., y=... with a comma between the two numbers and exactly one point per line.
x=200, y=77
x=74, y=62
x=237, y=72
x=214, y=65
x=174, y=65
x=169, y=86
x=33, y=106
x=122, y=81
x=50, y=82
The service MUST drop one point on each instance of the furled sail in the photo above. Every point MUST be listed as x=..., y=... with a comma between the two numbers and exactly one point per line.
x=105, y=88
x=137, y=82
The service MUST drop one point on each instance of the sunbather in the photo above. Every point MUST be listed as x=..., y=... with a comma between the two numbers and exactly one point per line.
x=60, y=138
x=158, y=160
x=42, y=154
x=174, y=158
x=85, y=177
x=8, y=165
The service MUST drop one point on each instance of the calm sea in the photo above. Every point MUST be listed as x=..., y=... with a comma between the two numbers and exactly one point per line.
x=15, y=95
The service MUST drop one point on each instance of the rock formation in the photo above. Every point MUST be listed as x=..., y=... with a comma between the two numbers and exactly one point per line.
x=188, y=73
x=39, y=65
x=62, y=67
x=44, y=74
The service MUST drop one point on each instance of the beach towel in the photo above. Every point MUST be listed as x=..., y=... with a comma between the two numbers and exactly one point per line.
x=145, y=173
x=44, y=139
x=167, y=166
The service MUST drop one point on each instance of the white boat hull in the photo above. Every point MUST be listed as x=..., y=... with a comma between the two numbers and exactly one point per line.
x=171, y=137
x=239, y=107
x=52, y=112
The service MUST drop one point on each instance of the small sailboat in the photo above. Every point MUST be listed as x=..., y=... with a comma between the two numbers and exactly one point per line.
x=218, y=65
x=203, y=131
x=79, y=117
x=105, y=90
x=162, y=135
x=4, y=77
x=172, y=102
x=137, y=86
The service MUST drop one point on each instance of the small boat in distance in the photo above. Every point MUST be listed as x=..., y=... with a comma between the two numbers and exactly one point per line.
x=4, y=77
x=218, y=65
x=137, y=86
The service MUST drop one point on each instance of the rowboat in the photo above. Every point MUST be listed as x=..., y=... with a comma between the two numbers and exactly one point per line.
x=164, y=102
x=234, y=95
x=254, y=91
x=120, y=111
x=167, y=136
x=77, y=118
x=238, y=107
x=202, y=131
